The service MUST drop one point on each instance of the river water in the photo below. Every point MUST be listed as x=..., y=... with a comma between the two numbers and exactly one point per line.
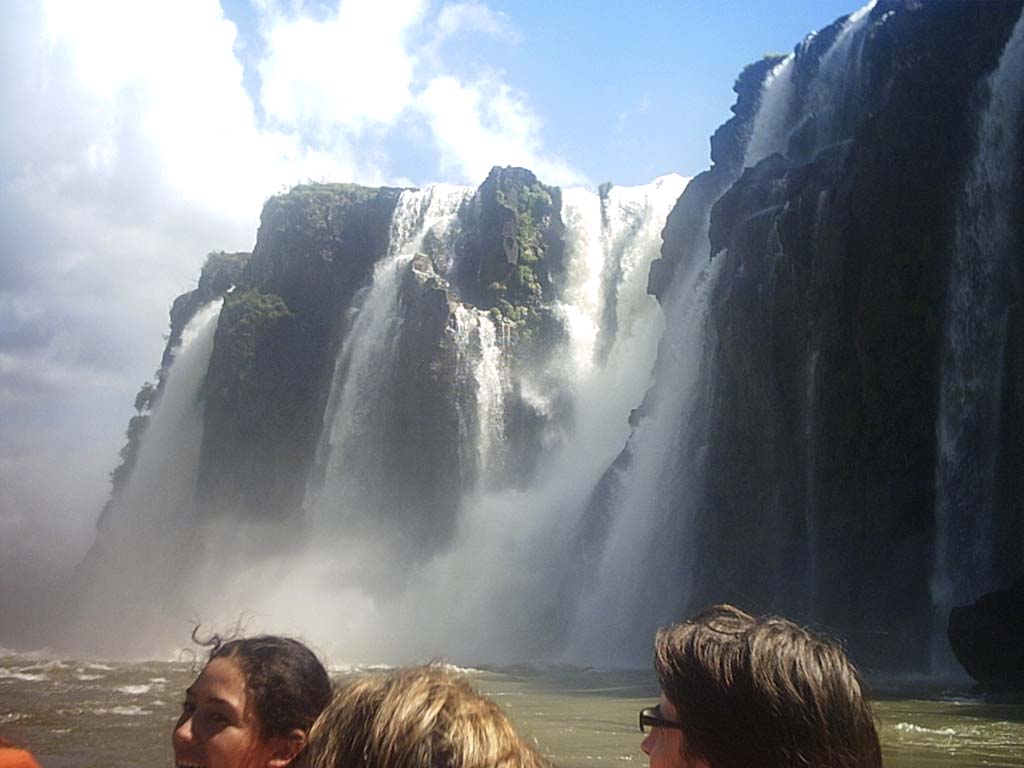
x=81, y=714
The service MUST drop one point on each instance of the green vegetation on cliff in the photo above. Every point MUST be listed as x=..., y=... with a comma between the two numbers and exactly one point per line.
x=246, y=318
x=511, y=245
x=319, y=206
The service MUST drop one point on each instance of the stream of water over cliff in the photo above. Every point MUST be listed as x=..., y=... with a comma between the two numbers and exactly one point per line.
x=968, y=428
x=142, y=528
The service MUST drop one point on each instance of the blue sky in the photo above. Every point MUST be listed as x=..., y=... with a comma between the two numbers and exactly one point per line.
x=622, y=92
x=140, y=135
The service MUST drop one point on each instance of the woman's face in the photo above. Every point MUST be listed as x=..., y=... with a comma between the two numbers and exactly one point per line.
x=218, y=727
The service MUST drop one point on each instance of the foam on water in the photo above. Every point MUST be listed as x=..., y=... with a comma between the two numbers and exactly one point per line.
x=134, y=690
x=911, y=728
x=16, y=674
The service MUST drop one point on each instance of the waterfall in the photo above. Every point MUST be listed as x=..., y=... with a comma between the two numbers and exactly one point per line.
x=162, y=485
x=614, y=325
x=142, y=541
x=492, y=584
x=834, y=102
x=481, y=367
x=350, y=448
x=830, y=100
x=770, y=135
x=459, y=601
x=973, y=354
x=354, y=412
x=654, y=495
x=616, y=612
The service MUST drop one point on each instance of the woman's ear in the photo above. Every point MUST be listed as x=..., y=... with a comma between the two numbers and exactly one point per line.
x=284, y=749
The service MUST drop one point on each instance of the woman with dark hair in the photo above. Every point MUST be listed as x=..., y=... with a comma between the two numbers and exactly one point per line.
x=251, y=706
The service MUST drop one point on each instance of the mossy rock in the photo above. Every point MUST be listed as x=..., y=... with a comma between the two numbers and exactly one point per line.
x=314, y=206
x=512, y=244
x=245, y=316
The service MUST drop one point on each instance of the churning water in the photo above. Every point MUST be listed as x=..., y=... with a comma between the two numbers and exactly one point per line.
x=79, y=714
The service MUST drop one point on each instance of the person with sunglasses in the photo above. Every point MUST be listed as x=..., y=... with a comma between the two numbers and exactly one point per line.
x=739, y=691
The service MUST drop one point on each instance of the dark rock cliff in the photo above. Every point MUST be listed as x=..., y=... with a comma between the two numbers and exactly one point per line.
x=826, y=325
x=271, y=366
x=287, y=309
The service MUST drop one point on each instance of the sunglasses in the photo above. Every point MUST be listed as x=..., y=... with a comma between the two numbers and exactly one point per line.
x=649, y=719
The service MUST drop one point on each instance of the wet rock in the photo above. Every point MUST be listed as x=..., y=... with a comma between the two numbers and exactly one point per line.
x=987, y=638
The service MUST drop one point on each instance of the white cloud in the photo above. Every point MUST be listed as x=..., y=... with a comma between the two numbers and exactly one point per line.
x=485, y=123
x=349, y=72
x=130, y=148
x=473, y=16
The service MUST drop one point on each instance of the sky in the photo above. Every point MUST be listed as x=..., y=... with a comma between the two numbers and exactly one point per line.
x=138, y=136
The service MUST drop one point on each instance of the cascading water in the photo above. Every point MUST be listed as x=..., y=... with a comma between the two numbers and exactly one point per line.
x=614, y=325
x=457, y=600
x=160, y=492
x=770, y=133
x=480, y=363
x=518, y=609
x=798, y=117
x=832, y=97
x=653, y=496
x=616, y=617
x=975, y=340
x=835, y=97
x=136, y=551
x=350, y=448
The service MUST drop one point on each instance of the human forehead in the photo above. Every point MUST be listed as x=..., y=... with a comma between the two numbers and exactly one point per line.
x=221, y=680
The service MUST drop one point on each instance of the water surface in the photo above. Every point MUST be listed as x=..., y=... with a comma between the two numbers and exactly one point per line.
x=81, y=714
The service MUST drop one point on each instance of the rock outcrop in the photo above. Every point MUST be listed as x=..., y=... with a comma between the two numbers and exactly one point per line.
x=826, y=330
x=988, y=638
x=267, y=382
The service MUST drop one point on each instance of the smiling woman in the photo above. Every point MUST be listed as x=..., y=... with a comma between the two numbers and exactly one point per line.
x=252, y=705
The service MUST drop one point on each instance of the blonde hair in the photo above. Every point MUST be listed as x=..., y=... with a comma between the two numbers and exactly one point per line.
x=417, y=717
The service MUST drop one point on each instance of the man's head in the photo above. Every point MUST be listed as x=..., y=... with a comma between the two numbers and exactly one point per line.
x=748, y=691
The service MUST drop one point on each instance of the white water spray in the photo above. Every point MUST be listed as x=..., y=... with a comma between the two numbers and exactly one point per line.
x=609, y=615
x=162, y=485
x=355, y=405
x=837, y=91
x=480, y=357
x=493, y=591
x=137, y=548
x=771, y=127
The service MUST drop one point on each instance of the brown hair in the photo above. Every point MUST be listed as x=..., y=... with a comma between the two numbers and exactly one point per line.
x=764, y=691
x=418, y=717
x=288, y=684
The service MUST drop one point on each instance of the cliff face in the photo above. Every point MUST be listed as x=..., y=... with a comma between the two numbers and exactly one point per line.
x=826, y=326
x=385, y=359
x=287, y=311
x=266, y=384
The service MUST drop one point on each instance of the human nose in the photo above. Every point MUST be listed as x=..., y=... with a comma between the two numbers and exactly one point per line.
x=645, y=745
x=182, y=733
